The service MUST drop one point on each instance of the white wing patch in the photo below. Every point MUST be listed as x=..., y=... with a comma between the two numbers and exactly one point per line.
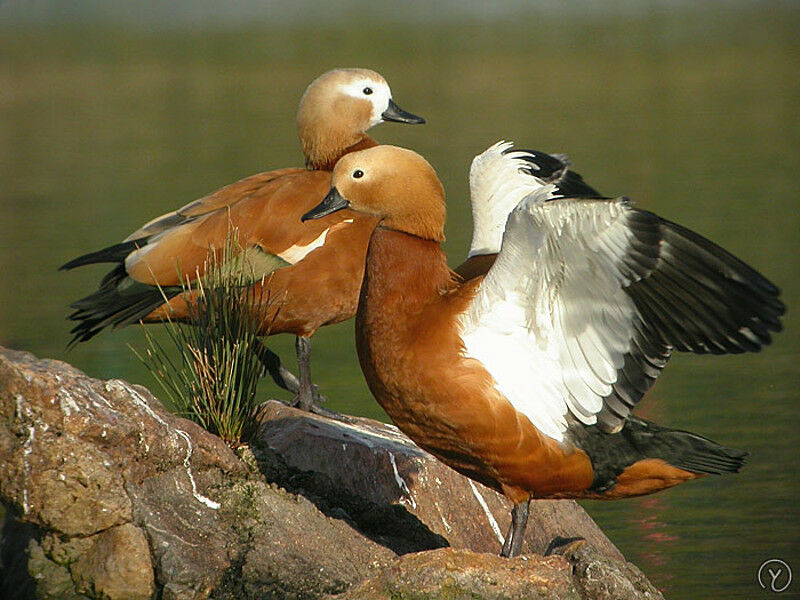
x=294, y=254
x=298, y=252
x=551, y=322
x=496, y=186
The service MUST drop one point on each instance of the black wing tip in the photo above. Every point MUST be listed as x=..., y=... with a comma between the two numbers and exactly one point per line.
x=727, y=307
x=107, y=307
x=85, y=329
x=111, y=254
x=555, y=169
x=542, y=164
x=557, y=161
x=75, y=262
x=78, y=338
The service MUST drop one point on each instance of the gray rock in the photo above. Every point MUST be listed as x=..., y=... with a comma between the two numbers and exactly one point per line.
x=110, y=496
x=375, y=461
x=600, y=578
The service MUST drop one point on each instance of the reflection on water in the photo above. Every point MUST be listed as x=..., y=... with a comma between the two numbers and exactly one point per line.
x=100, y=131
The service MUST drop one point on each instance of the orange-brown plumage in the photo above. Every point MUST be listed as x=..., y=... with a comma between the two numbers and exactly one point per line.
x=411, y=352
x=305, y=275
x=409, y=343
x=409, y=336
x=646, y=477
x=319, y=290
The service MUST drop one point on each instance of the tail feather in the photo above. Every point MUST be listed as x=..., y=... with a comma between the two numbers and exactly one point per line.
x=683, y=449
x=715, y=460
x=119, y=301
x=639, y=440
x=113, y=254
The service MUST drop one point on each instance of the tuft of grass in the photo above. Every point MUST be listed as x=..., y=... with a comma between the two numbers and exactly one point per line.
x=213, y=380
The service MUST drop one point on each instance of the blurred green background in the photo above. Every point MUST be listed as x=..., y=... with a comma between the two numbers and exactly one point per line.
x=114, y=112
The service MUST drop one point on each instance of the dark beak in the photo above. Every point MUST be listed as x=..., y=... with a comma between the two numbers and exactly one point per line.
x=332, y=202
x=395, y=113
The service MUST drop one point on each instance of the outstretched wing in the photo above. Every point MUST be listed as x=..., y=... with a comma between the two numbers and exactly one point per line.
x=501, y=176
x=588, y=298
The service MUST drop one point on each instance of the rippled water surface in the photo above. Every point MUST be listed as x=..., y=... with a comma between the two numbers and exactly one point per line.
x=693, y=117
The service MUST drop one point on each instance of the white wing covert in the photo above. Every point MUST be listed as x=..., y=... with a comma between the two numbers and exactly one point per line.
x=501, y=176
x=587, y=299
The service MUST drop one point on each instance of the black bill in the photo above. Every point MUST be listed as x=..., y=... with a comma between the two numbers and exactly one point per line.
x=395, y=113
x=332, y=202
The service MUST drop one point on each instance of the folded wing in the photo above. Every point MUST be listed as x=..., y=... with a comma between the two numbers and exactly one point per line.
x=237, y=222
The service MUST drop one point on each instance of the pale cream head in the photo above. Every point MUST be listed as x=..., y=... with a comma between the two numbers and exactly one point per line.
x=339, y=107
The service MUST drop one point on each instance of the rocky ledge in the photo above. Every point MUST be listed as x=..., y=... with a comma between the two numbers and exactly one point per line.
x=108, y=495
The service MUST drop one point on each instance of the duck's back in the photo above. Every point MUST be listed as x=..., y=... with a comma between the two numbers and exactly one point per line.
x=311, y=272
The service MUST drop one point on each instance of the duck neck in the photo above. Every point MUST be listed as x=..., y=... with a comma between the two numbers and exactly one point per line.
x=404, y=273
x=322, y=152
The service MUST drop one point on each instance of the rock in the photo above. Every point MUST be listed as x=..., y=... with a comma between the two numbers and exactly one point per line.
x=457, y=574
x=581, y=571
x=116, y=565
x=53, y=581
x=324, y=557
x=600, y=578
x=110, y=496
x=375, y=461
x=75, y=451
x=128, y=500
x=17, y=545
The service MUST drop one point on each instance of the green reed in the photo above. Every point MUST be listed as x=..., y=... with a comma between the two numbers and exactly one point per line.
x=213, y=380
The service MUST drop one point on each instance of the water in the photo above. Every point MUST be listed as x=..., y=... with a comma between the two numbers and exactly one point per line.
x=693, y=116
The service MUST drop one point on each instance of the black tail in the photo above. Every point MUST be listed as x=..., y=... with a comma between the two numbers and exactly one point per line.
x=113, y=254
x=119, y=301
x=612, y=453
x=682, y=449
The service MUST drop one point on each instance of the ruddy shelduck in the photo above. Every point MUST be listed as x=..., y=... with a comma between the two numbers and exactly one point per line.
x=308, y=275
x=524, y=379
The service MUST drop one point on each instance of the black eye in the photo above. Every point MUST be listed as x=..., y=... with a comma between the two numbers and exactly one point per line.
x=367, y=91
x=358, y=174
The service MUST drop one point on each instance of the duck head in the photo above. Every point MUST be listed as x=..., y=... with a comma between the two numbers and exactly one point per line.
x=394, y=184
x=339, y=107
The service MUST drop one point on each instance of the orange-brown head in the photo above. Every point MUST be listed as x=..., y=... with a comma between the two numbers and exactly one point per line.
x=339, y=107
x=394, y=184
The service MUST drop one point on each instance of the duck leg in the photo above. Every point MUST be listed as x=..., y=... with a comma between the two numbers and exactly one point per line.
x=282, y=376
x=304, y=400
x=308, y=395
x=287, y=380
x=516, y=533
